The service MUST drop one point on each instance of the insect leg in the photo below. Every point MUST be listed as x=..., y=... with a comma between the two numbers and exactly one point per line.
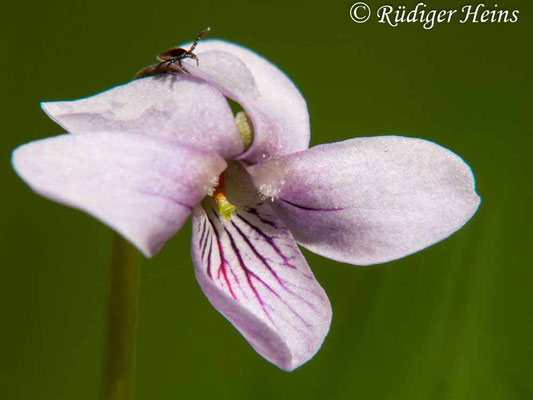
x=198, y=38
x=191, y=55
x=162, y=67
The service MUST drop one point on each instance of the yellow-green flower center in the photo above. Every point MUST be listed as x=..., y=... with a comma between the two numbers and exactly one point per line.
x=225, y=208
x=245, y=127
x=246, y=130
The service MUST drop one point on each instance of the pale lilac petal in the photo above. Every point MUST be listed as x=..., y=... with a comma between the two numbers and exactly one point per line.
x=252, y=271
x=276, y=107
x=141, y=186
x=177, y=107
x=370, y=200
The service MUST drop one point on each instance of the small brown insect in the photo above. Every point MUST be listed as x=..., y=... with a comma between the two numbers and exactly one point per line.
x=170, y=60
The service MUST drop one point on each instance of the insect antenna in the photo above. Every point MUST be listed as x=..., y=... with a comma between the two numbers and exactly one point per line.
x=198, y=38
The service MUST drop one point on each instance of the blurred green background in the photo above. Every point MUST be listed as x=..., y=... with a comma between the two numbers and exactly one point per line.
x=451, y=322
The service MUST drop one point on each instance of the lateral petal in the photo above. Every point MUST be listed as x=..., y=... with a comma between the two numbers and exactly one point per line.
x=174, y=107
x=370, y=200
x=141, y=186
x=253, y=273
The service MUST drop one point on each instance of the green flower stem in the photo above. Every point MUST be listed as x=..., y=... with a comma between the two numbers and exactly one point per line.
x=119, y=353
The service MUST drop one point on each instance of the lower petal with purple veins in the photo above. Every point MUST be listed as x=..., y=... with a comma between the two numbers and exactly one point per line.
x=252, y=271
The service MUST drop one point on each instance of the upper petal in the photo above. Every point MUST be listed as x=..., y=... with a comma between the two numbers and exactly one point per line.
x=276, y=107
x=177, y=107
x=141, y=186
x=370, y=200
x=252, y=271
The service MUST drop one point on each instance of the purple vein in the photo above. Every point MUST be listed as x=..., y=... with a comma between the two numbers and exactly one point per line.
x=235, y=277
x=253, y=210
x=270, y=269
x=202, y=237
x=169, y=198
x=269, y=240
x=249, y=274
x=288, y=321
x=209, y=256
x=222, y=266
x=310, y=208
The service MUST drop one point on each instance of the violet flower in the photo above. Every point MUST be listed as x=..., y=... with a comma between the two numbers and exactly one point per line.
x=144, y=156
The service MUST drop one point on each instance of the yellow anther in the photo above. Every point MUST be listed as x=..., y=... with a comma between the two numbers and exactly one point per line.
x=225, y=208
